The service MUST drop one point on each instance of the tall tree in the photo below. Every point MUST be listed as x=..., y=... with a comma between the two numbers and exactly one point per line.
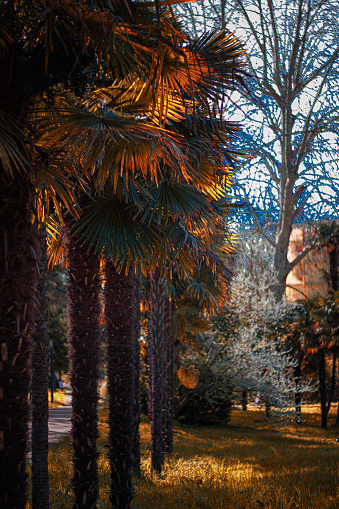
x=84, y=288
x=292, y=127
x=57, y=317
x=18, y=254
x=39, y=387
x=327, y=235
x=32, y=61
x=120, y=314
x=325, y=317
x=136, y=405
x=44, y=45
x=157, y=359
x=168, y=401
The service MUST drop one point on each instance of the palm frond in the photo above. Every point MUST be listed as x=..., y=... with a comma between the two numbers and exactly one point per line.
x=56, y=250
x=53, y=186
x=171, y=200
x=13, y=155
x=108, y=225
x=111, y=144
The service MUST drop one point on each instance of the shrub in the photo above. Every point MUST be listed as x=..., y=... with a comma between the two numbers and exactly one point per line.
x=209, y=403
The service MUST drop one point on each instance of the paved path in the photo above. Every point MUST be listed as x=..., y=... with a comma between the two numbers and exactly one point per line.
x=59, y=421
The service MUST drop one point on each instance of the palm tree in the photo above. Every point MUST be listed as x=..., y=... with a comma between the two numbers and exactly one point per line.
x=135, y=134
x=157, y=364
x=120, y=314
x=136, y=403
x=44, y=45
x=168, y=400
x=84, y=311
x=39, y=387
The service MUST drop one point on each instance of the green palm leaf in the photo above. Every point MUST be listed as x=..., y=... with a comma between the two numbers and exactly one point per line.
x=171, y=200
x=12, y=145
x=108, y=225
x=112, y=144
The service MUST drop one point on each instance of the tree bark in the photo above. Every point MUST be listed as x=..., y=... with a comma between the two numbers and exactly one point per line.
x=333, y=376
x=84, y=288
x=244, y=400
x=322, y=388
x=39, y=388
x=297, y=396
x=19, y=244
x=120, y=313
x=168, y=414
x=286, y=199
x=156, y=353
x=136, y=403
x=333, y=262
x=268, y=410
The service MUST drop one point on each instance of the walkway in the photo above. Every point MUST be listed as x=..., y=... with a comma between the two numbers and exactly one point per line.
x=59, y=421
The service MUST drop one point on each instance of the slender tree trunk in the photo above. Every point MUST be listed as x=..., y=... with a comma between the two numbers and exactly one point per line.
x=333, y=262
x=244, y=400
x=297, y=396
x=280, y=260
x=156, y=352
x=287, y=199
x=120, y=314
x=84, y=288
x=19, y=244
x=168, y=415
x=39, y=389
x=333, y=376
x=136, y=405
x=268, y=410
x=322, y=388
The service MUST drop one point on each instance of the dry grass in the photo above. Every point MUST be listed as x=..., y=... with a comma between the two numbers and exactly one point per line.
x=251, y=464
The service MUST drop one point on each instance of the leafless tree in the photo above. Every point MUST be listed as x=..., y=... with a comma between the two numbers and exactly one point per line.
x=291, y=128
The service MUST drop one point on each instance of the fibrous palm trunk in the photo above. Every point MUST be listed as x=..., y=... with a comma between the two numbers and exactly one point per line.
x=18, y=278
x=156, y=353
x=168, y=410
x=136, y=405
x=120, y=323
x=39, y=389
x=84, y=288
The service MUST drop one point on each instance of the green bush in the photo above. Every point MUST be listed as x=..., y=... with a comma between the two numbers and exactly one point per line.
x=210, y=403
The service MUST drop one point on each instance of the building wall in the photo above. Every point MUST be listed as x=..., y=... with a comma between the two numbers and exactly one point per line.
x=308, y=276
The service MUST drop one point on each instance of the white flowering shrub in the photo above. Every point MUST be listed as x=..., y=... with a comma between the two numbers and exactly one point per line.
x=256, y=357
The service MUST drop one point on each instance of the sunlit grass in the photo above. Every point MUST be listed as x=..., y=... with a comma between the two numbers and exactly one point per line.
x=250, y=464
x=59, y=398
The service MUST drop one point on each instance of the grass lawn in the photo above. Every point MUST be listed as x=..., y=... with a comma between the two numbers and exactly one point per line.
x=250, y=464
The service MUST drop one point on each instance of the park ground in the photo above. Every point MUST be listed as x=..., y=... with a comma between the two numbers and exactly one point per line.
x=251, y=464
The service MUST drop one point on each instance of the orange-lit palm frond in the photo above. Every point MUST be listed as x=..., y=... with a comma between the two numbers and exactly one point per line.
x=111, y=144
x=182, y=77
x=56, y=250
x=13, y=140
x=53, y=187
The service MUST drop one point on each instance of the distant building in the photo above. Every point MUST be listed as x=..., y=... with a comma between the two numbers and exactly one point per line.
x=309, y=276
